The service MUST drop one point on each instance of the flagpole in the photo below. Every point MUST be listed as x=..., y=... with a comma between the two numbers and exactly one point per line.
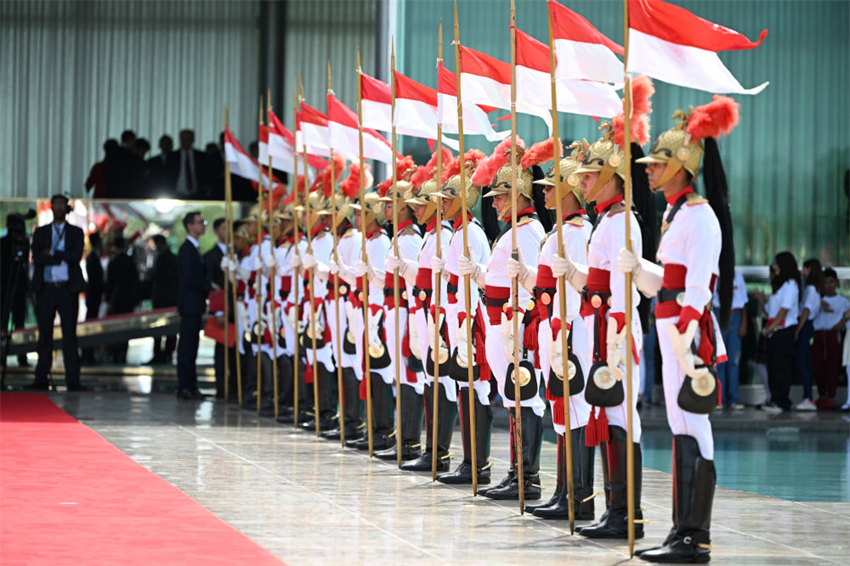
x=438, y=285
x=338, y=333
x=365, y=298
x=562, y=293
x=311, y=289
x=258, y=289
x=395, y=271
x=229, y=286
x=627, y=156
x=273, y=271
x=514, y=282
x=467, y=289
x=295, y=277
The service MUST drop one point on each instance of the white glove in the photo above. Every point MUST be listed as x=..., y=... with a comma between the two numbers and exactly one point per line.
x=682, y=348
x=225, y=264
x=562, y=267
x=463, y=344
x=270, y=261
x=525, y=275
x=648, y=277
x=615, y=349
x=413, y=339
x=373, y=327
x=258, y=263
x=362, y=268
x=475, y=270
x=243, y=273
x=438, y=264
x=393, y=262
x=406, y=268
x=556, y=353
x=344, y=273
x=295, y=260
x=333, y=267
x=308, y=261
x=507, y=328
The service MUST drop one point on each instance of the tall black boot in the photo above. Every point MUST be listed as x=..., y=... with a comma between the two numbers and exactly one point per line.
x=463, y=473
x=446, y=418
x=532, y=442
x=327, y=403
x=614, y=523
x=483, y=433
x=542, y=509
x=582, y=471
x=510, y=478
x=410, y=429
x=382, y=417
x=354, y=427
x=249, y=380
x=285, y=388
x=694, y=484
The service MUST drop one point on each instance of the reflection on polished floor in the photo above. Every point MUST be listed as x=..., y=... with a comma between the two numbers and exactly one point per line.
x=308, y=501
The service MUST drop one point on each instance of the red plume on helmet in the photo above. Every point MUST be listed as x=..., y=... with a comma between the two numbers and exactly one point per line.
x=300, y=185
x=541, y=152
x=426, y=172
x=288, y=199
x=278, y=193
x=714, y=119
x=405, y=168
x=351, y=185
x=487, y=167
x=642, y=91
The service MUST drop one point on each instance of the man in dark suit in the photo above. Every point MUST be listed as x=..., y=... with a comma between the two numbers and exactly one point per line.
x=192, y=171
x=57, y=250
x=164, y=294
x=122, y=289
x=162, y=170
x=191, y=304
x=212, y=262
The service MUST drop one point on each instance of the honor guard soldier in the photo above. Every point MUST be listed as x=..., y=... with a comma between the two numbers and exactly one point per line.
x=695, y=248
x=411, y=376
x=425, y=203
x=341, y=280
x=377, y=244
x=539, y=280
x=496, y=172
x=455, y=357
x=314, y=308
x=604, y=291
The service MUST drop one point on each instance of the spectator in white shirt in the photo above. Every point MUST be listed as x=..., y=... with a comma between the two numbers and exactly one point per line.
x=826, y=346
x=809, y=308
x=728, y=371
x=781, y=310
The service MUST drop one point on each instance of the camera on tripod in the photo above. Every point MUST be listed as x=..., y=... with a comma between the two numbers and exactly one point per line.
x=17, y=232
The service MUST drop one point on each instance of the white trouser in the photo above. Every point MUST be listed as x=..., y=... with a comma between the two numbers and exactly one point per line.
x=680, y=420
x=387, y=373
x=346, y=360
x=617, y=416
x=498, y=360
x=389, y=325
x=323, y=354
x=579, y=408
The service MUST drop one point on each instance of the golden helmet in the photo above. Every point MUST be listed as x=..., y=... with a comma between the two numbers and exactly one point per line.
x=604, y=157
x=676, y=148
x=403, y=190
x=253, y=214
x=374, y=208
x=501, y=183
x=242, y=232
x=568, y=167
x=339, y=207
x=451, y=187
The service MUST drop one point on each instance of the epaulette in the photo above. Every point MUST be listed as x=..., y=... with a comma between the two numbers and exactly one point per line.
x=525, y=220
x=695, y=199
x=347, y=234
x=321, y=235
x=576, y=221
x=408, y=231
x=616, y=208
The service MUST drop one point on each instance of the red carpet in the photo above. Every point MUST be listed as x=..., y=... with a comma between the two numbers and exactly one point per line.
x=67, y=496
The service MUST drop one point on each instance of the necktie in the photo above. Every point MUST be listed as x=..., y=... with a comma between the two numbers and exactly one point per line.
x=187, y=164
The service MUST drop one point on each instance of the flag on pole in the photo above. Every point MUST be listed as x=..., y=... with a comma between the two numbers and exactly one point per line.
x=475, y=120
x=416, y=110
x=582, y=51
x=377, y=103
x=671, y=44
x=282, y=142
x=486, y=80
x=343, y=135
x=286, y=162
x=241, y=162
x=312, y=131
x=533, y=82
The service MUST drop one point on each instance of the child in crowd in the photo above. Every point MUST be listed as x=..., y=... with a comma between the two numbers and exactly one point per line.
x=809, y=309
x=728, y=372
x=781, y=310
x=826, y=344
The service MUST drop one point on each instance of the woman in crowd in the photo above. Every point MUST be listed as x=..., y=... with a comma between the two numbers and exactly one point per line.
x=809, y=308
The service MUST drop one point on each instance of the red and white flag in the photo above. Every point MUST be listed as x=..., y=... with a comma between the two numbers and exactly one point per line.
x=533, y=83
x=475, y=120
x=671, y=44
x=582, y=51
x=344, y=136
x=486, y=80
x=282, y=143
x=241, y=162
x=377, y=103
x=312, y=131
x=285, y=163
x=416, y=107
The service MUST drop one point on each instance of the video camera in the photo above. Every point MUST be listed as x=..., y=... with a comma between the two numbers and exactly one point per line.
x=17, y=232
